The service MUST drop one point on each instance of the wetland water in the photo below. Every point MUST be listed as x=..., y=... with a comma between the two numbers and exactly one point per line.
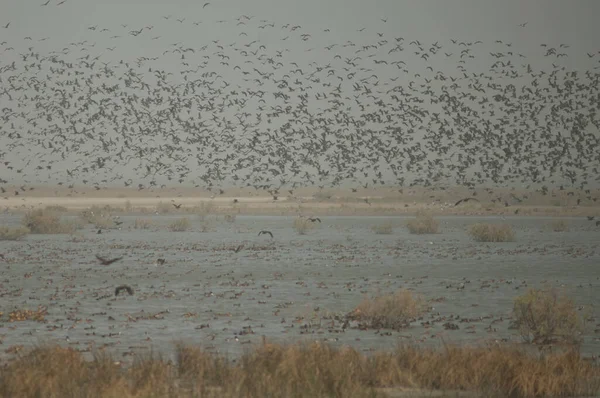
x=284, y=288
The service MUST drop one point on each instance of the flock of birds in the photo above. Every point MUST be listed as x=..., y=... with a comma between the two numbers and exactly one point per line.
x=378, y=110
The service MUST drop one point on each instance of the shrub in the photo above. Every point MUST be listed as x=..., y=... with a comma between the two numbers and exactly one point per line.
x=302, y=225
x=492, y=232
x=559, y=226
x=16, y=233
x=390, y=311
x=230, y=218
x=142, y=223
x=423, y=224
x=163, y=208
x=56, y=209
x=204, y=209
x=180, y=225
x=545, y=316
x=99, y=217
x=383, y=229
x=41, y=221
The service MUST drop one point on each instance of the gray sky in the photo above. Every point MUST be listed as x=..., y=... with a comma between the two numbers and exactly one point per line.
x=328, y=22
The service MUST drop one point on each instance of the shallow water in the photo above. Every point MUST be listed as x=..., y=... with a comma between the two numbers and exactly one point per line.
x=284, y=288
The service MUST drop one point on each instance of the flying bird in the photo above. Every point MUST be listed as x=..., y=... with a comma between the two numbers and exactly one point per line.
x=313, y=219
x=205, y=4
x=265, y=232
x=127, y=288
x=105, y=261
x=465, y=200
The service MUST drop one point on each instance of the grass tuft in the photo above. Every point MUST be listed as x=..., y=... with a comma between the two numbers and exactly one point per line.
x=492, y=232
x=423, y=224
x=16, y=233
x=383, y=229
x=142, y=223
x=42, y=221
x=180, y=225
x=302, y=225
x=389, y=311
x=559, y=226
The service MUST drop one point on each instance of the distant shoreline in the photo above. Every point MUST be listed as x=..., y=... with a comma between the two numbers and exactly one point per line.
x=361, y=204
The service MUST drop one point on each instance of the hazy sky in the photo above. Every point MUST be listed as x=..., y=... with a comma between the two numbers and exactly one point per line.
x=107, y=26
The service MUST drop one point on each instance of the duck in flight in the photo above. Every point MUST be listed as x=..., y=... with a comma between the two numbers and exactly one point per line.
x=105, y=261
x=265, y=232
x=465, y=200
x=127, y=288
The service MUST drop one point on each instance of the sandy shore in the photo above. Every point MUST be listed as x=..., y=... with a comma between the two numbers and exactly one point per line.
x=306, y=201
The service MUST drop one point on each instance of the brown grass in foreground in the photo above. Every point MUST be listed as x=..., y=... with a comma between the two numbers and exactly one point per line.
x=492, y=232
x=310, y=370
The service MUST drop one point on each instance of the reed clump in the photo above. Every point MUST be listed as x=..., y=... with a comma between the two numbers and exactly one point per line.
x=383, y=229
x=303, y=225
x=389, y=311
x=424, y=223
x=546, y=316
x=559, y=226
x=100, y=217
x=482, y=232
x=13, y=233
x=180, y=225
x=142, y=223
x=42, y=221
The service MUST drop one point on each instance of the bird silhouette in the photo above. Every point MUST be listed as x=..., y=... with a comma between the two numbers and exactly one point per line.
x=105, y=261
x=466, y=200
x=265, y=232
x=121, y=288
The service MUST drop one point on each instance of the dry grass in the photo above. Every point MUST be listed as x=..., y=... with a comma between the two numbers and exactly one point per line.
x=38, y=315
x=545, y=316
x=56, y=209
x=559, y=226
x=180, y=225
x=42, y=221
x=100, y=217
x=164, y=208
x=423, y=224
x=142, y=223
x=203, y=209
x=492, y=232
x=389, y=311
x=302, y=225
x=301, y=370
x=229, y=218
x=383, y=229
x=16, y=233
